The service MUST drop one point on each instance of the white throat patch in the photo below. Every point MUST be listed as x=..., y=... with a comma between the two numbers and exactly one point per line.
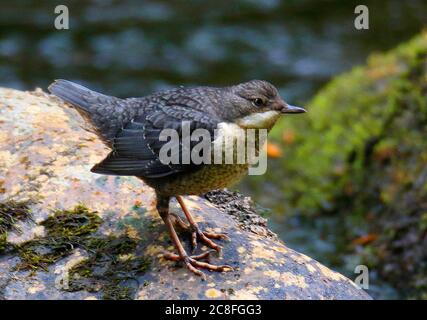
x=261, y=120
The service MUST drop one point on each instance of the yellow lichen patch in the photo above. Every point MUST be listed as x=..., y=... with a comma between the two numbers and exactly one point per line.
x=91, y=298
x=210, y=205
x=4, y=138
x=38, y=231
x=244, y=294
x=273, y=274
x=7, y=159
x=280, y=249
x=54, y=164
x=310, y=268
x=132, y=233
x=213, y=293
x=290, y=279
x=258, y=264
x=257, y=290
x=300, y=258
x=304, y=260
x=154, y=250
x=263, y=253
x=241, y=250
x=141, y=295
x=194, y=200
x=287, y=278
x=36, y=288
x=248, y=270
x=126, y=257
x=330, y=274
x=15, y=189
x=192, y=204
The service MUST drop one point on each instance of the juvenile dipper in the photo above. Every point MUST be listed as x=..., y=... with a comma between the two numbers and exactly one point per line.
x=132, y=128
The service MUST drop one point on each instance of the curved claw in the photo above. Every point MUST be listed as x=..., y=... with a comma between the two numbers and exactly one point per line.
x=193, y=263
x=211, y=267
x=204, y=236
x=177, y=220
x=220, y=236
x=175, y=257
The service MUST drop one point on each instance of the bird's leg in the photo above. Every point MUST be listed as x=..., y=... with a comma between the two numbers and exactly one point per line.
x=192, y=262
x=204, y=236
x=178, y=221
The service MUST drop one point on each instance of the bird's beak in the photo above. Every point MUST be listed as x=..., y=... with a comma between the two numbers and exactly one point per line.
x=292, y=109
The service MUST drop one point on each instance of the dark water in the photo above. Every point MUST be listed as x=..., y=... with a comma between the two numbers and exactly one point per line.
x=130, y=48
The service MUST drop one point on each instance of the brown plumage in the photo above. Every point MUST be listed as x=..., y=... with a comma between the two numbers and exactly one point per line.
x=131, y=128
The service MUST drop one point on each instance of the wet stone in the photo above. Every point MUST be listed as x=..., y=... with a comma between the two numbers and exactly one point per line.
x=96, y=237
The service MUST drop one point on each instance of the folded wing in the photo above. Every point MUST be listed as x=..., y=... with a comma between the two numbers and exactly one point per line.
x=137, y=146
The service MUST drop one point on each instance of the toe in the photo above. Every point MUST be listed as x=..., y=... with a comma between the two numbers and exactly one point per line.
x=193, y=269
x=219, y=236
x=194, y=240
x=204, y=255
x=209, y=242
x=209, y=266
x=171, y=256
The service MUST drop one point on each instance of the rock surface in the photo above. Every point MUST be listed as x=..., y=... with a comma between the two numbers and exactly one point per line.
x=87, y=236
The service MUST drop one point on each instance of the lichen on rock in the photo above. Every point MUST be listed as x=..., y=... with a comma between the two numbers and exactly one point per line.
x=100, y=237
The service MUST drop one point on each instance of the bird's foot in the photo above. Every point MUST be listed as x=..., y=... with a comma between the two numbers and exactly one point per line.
x=197, y=233
x=205, y=237
x=193, y=263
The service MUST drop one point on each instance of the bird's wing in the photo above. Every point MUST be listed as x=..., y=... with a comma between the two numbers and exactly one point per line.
x=136, y=147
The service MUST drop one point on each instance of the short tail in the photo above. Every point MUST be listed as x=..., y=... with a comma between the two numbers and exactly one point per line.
x=98, y=109
x=73, y=93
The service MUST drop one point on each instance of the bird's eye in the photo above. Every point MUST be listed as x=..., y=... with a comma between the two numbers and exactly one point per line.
x=258, y=102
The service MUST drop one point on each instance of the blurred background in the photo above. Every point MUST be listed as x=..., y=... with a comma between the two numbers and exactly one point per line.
x=131, y=48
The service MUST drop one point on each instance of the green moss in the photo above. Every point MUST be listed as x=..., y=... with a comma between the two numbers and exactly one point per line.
x=65, y=230
x=10, y=213
x=362, y=152
x=115, y=292
x=111, y=263
x=344, y=119
x=3, y=242
x=72, y=224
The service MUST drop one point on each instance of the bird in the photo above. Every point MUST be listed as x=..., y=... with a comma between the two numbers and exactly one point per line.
x=132, y=129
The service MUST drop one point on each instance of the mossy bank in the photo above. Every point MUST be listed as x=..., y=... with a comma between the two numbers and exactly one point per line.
x=361, y=154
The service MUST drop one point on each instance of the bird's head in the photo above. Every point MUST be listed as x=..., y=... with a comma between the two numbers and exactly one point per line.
x=257, y=104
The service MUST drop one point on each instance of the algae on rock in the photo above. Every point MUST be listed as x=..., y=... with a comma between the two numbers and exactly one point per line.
x=111, y=245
